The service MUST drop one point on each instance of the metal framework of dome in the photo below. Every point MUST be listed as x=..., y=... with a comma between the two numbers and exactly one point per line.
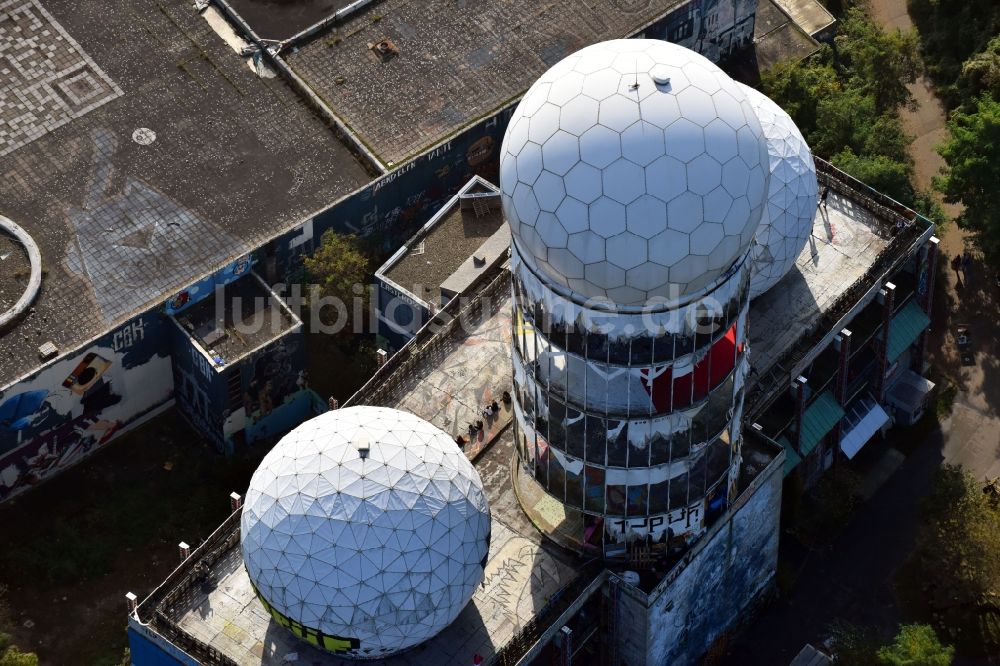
x=365, y=530
x=787, y=220
x=633, y=169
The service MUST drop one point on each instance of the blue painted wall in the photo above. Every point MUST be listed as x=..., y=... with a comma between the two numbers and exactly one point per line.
x=201, y=392
x=66, y=410
x=148, y=649
x=731, y=569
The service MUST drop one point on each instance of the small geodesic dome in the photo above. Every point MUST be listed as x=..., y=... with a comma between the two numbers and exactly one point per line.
x=787, y=220
x=365, y=530
x=633, y=169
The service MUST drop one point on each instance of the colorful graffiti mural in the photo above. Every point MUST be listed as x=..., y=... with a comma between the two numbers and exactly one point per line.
x=714, y=28
x=204, y=288
x=260, y=396
x=391, y=209
x=65, y=411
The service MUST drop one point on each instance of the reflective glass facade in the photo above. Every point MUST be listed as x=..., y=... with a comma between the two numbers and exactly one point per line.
x=631, y=416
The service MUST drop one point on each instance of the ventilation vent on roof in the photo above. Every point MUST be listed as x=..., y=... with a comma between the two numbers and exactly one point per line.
x=385, y=49
x=481, y=206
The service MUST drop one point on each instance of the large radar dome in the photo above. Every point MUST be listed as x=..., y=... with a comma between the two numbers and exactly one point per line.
x=787, y=220
x=633, y=169
x=365, y=530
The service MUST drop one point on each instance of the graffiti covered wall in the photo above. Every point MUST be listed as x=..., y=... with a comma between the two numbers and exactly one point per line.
x=390, y=210
x=687, y=613
x=260, y=396
x=62, y=413
x=275, y=394
x=717, y=29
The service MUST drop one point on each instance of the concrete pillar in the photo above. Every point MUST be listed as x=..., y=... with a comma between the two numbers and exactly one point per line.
x=564, y=641
x=842, y=343
x=799, y=391
x=184, y=550
x=235, y=501
x=887, y=297
x=926, y=276
x=132, y=601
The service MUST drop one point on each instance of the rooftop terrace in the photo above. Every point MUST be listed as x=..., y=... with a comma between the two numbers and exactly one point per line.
x=151, y=156
x=858, y=242
x=237, y=319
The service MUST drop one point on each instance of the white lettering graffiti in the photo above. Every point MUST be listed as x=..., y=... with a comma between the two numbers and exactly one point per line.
x=392, y=175
x=128, y=335
x=201, y=363
x=679, y=522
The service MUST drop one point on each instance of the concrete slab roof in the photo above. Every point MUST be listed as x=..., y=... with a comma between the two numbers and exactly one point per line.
x=141, y=152
x=778, y=37
x=281, y=20
x=448, y=239
x=845, y=241
x=454, y=62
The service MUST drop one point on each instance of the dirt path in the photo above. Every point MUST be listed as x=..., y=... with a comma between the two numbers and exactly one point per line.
x=926, y=121
x=972, y=434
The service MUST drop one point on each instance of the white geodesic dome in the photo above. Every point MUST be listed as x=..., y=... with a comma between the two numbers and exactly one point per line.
x=384, y=549
x=633, y=169
x=787, y=220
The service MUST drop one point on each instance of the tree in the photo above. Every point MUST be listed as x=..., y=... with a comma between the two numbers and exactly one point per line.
x=799, y=86
x=972, y=156
x=951, y=32
x=846, y=102
x=854, y=645
x=879, y=172
x=877, y=62
x=981, y=73
x=957, y=557
x=916, y=645
x=11, y=656
x=339, y=268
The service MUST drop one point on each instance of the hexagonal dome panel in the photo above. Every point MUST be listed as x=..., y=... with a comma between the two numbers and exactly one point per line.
x=368, y=525
x=787, y=219
x=649, y=138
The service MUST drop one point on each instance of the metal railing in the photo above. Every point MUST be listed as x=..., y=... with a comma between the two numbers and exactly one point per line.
x=161, y=607
x=527, y=636
x=432, y=338
x=894, y=220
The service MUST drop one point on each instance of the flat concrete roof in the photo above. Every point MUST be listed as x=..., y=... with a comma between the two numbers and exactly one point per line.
x=809, y=15
x=451, y=237
x=456, y=62
x=281, y=19
x=845, y=241
x=123, y=222
x=778, y=37
x=224, y=332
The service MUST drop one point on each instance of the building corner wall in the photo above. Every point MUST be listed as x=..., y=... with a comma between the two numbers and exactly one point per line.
x=719, y=583
x=148, y=648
